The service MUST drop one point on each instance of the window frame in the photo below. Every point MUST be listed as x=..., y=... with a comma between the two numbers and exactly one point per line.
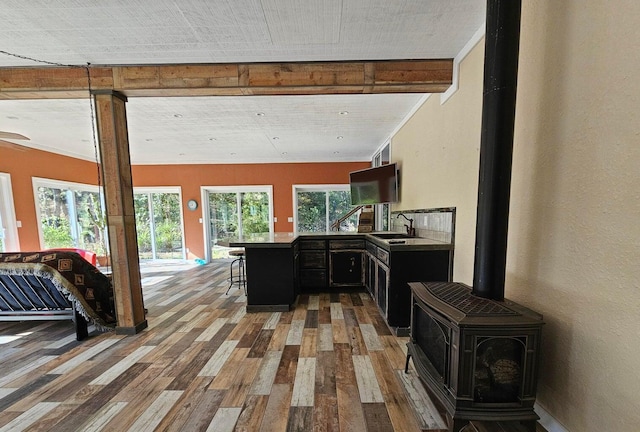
x=163, y=189
x=10, y=236
x=68, y=185
x=326, y=188
x=204, y=208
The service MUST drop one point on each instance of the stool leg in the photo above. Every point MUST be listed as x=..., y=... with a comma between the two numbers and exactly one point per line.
x=231, y=276
x=244, y=276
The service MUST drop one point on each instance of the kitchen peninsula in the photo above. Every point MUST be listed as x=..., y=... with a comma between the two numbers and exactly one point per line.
x=282, y=265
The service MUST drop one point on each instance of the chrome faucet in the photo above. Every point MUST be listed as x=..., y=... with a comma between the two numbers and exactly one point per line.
x=411, y=231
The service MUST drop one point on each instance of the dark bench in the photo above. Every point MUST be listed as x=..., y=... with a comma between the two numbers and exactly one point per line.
x=55, y=286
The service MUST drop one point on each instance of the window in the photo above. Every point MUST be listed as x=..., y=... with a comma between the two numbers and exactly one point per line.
x=317, y=207
x=70, y=215
x=382, y=211
x=159, y=223
x=235, y=211
x=8, y=227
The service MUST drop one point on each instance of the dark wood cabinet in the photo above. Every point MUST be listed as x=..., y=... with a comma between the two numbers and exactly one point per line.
x=331, y=263
x=346, y=262
x=378, y=276
x=313, y=263
x=278, y=272
x=388, y=274
x=382, y=288
x=271, y=279
x=370, y=268
x=345, y=268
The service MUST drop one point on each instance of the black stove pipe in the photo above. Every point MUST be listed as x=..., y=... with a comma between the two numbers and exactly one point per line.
x=502, y=39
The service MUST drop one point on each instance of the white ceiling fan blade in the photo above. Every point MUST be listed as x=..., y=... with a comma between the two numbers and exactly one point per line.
x=12, y=135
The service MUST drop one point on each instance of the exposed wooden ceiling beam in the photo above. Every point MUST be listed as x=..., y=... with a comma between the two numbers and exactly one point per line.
x=387, y=76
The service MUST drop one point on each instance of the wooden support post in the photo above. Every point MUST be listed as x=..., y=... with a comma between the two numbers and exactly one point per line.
x=118, y=188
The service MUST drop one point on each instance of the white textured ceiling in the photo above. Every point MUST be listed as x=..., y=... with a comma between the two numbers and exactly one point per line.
x=227, y=129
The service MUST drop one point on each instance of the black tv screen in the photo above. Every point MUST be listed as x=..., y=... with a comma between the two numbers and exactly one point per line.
x=374, y=185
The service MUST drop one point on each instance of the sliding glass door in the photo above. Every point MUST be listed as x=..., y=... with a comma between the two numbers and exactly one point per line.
x=319, y=207
x=159, y=223
x=236, y=211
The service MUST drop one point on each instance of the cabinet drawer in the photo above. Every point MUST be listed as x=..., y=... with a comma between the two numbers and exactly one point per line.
x=312, y=244
x=313, y=259
x=371, y=248
x=383, y=256
x=346, y=244
x=313, y=278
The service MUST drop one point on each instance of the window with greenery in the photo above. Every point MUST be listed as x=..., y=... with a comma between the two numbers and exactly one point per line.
x=71, y=216
x=382, y=211
x=158, y=224
x=318, y=207
x=236, y=211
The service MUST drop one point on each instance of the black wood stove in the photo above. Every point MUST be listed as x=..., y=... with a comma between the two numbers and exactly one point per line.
x=475, y=351
x=478, y=356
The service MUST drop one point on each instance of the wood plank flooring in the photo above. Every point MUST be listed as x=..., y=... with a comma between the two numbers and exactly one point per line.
x=204, y=364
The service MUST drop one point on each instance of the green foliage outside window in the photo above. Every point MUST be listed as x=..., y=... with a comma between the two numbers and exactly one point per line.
x=167, y=225
x=313, y=211
x=255, y=212
x=59, y=206
x=56, y=231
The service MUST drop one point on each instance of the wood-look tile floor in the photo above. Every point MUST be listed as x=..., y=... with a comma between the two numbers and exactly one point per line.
x=204, y=364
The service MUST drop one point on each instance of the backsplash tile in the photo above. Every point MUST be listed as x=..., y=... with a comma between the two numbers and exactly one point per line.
x=437, y=224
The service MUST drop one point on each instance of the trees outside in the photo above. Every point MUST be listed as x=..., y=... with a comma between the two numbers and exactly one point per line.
x=74, y=217
x=158, y=225
x=234, y=213
x=340, y=205
x=312, y=211
x=168, y=225
x=71, y=218
x=143, y=225
x=315, y=207
x=255, y=212
x=223, y=215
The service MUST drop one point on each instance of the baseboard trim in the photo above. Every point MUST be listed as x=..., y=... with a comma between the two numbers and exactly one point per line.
x=546, y=420
x=268, y=308
x=129, y=331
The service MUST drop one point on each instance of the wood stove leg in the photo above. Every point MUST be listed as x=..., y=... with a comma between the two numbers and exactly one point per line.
x=406, y=364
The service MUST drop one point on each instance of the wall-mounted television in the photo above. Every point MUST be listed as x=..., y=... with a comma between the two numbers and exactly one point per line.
x=374, y=185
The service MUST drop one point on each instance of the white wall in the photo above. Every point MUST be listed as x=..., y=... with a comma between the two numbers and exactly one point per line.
x=574, y=233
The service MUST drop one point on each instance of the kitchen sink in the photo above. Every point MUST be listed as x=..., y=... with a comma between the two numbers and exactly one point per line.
x=390, y=235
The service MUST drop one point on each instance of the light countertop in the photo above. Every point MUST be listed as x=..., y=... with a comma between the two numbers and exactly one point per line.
x=286, y=239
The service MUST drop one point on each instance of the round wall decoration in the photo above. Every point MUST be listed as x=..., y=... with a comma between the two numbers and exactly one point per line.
x=192, y=204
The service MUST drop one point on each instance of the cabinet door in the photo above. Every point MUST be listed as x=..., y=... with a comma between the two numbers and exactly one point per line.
x=371, y=274
x=382, y=286
x=345, y=268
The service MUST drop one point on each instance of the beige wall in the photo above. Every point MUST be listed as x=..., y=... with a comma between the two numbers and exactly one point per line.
x=574, y=233
x=438, y=155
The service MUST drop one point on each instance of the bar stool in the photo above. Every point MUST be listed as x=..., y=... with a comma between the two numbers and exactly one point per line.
x=241, y=277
